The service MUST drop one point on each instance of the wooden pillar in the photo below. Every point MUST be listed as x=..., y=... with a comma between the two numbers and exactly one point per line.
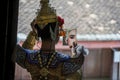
x=119, y=70
x=116, y=65
x=114, y=72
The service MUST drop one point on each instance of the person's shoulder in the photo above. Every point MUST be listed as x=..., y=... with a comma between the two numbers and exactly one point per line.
x=78, y=46
x=62, y=56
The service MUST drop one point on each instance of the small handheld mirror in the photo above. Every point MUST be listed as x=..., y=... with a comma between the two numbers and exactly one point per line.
x=70, y=37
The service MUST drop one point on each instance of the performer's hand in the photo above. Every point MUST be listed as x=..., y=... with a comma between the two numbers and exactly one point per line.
x=33, y=23
x=73, y=49
x=34, y=29
x=81, y=49
x=76, y=50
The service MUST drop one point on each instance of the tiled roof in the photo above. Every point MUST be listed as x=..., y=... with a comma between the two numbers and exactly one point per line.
x=98, y=18
x=86, y=37
x=98, y=37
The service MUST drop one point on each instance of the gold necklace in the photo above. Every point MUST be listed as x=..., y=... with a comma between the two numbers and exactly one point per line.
x=44, y=69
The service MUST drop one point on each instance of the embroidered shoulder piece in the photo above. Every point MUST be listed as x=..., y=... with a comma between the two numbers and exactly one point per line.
x=59, y=57
x=73, y=65
x=32, y=57
x=62, y=57
x=20, y=56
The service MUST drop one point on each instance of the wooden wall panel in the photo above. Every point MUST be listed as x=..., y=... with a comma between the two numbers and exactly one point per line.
x=107, y=62
x=92, y=64
x=98, y=63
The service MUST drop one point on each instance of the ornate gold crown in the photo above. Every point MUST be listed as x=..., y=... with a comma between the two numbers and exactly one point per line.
x=46, y=14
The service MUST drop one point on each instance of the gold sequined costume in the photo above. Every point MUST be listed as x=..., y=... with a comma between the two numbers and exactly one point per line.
x=52, y=66
x=60, y=67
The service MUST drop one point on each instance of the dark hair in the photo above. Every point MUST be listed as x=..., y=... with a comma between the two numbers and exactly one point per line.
x=45, y=32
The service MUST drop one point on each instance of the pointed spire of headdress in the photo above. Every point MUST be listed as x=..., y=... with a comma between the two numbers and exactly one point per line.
x=46, y=14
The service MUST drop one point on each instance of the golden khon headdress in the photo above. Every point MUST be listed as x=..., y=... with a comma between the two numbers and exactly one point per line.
x=46, y=14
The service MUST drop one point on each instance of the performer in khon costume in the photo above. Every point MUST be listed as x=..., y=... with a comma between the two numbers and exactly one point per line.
x=47, y=63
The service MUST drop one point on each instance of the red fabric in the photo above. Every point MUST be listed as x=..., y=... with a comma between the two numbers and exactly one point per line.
x=60, y=20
